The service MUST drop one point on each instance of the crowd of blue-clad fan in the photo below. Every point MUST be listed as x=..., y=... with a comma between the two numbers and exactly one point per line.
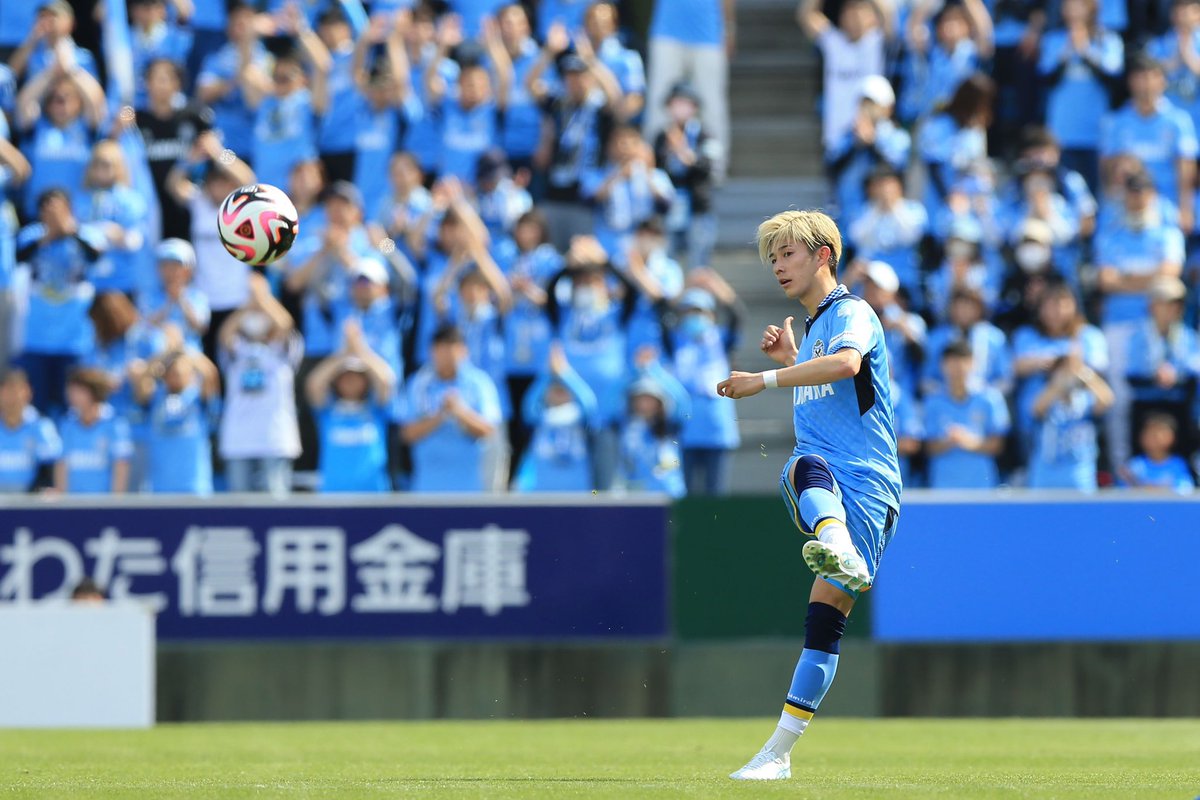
x=1017, y=186
x=500, y=280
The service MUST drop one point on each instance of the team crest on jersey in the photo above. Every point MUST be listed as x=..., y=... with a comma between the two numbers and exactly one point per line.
x=818, y=348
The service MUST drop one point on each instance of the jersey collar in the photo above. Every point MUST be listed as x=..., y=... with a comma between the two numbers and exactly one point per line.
x=839, y=291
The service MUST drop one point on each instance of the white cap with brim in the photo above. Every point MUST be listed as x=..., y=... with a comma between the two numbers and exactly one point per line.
x=882, y=275
x=372, y=270
x=878, y=90
x=176, y=250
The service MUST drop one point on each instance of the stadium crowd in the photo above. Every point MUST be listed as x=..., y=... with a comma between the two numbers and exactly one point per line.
x=487, y=289
x=501, y=279
x=1016, y=181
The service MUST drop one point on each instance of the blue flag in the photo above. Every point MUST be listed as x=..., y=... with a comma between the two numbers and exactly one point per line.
x=118, y=54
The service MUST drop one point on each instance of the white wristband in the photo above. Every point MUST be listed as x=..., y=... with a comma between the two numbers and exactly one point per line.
x=771, y=378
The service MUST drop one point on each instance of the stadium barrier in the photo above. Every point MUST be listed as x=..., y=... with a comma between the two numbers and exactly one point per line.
x=320, y=607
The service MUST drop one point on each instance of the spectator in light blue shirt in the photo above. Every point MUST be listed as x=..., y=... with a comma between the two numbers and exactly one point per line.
x=109, y=202
x=964, y=265
x=1134, y=251
x=1060, y=330
x=175, y=301
x=1082, y=64
x=522, y=117
x=526, y=326
x=626, y=191
x=1164, y=358
x=872, y=140
x=1158, y=467
x=241, y=64
x=934, y=70
x=904, y=332
x=423, y=136
x=50, y=42
x=952, y=143
x=29, y=443
x=698, y=349
x=500, y=200
x=593, y=329
x=284, y=118
x=351, y=393
x=560, y=410
x=1178, y=50
x=179, y=390
x=339, y=116
x=601, y=25
x=154, y=36
x=966, y=321
x=58, y=118
x=469, y=113
x=1065, y=441
x=650, y=455
x=58, y=256
x=1157, y=132
x=401, y=213
x=965, y=425
x=96, y=442
x=386, y=107
x=452, y=409
x=889, y=228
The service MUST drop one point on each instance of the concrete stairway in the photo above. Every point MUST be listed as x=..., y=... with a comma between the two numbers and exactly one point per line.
x=775, y=163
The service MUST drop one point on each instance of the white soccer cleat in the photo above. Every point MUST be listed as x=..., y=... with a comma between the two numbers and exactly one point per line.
x=846, y=567
x=766, y=766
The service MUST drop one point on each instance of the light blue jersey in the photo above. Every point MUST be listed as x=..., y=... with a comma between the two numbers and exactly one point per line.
x=91, y=451
x=1170, y=473
x=1159, y=140
x=1065, y=445
x=180, y=451
x=33, y=442
x=984, y=413
x=353, y=451
x=448, y=459
x=849, y=423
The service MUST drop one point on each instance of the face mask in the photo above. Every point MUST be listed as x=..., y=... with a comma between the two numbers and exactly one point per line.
x=960, y=251
x=694, y=325
x=1032, y=256
x=562, y=416
x=254, y=324
x=1142, y=220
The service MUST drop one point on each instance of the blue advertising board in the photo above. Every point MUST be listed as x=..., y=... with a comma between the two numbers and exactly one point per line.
x=991, y=568
x=321, y=568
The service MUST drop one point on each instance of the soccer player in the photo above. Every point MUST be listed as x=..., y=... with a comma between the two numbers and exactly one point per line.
x=842, y=484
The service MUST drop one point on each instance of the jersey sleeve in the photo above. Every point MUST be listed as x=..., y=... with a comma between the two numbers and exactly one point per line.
x=122, y=445
x=853, y=326
x=999, y=421
x=49, y=445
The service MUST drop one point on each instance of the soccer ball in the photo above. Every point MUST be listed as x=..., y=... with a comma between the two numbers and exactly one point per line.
x=257, y=223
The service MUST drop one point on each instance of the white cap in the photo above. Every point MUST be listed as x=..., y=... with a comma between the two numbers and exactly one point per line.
x=878, y=90
x=1035, y=230
x=373, y=270
x=882, y=275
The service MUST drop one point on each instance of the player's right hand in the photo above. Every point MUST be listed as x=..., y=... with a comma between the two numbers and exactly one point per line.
x=779, y=344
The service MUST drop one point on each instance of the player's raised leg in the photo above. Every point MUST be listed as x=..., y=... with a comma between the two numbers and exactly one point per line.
x=815, y=498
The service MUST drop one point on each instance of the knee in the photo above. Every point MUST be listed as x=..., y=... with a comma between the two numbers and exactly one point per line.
x=823, y=628
x=812, y=472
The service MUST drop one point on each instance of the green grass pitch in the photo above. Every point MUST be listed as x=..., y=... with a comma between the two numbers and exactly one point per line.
x=839, y=758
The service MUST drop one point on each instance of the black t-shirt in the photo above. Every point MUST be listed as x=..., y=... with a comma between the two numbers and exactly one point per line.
x=168, y=141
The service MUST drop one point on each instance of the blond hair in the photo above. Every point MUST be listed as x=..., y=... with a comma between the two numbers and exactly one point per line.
x=812, y=229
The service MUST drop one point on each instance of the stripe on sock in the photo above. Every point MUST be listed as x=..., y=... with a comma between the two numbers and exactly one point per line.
x=825, y=522
x=797, y=712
